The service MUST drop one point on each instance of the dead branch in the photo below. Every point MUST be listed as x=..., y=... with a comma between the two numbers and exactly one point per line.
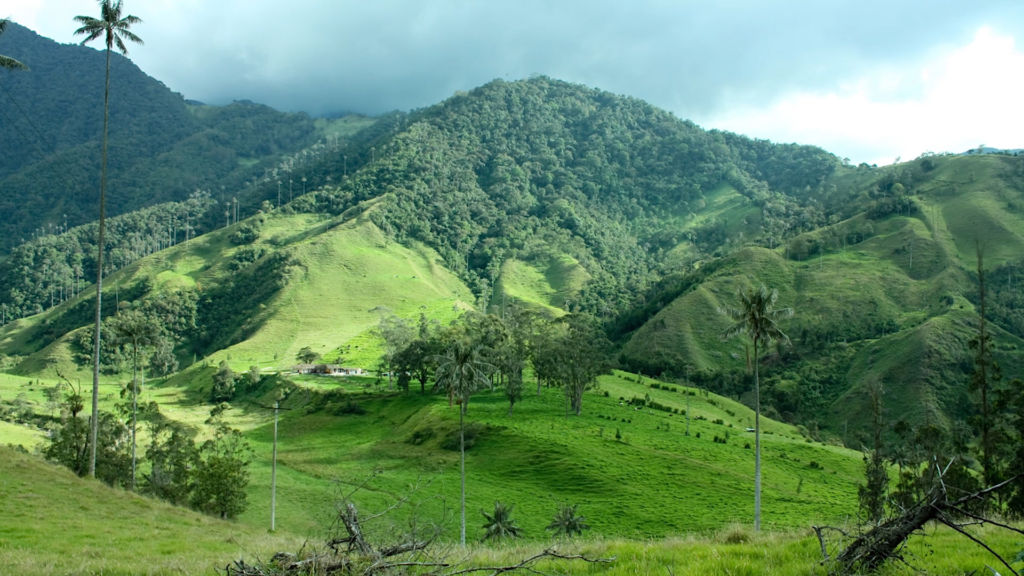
x=548, y=553
x=871, y=549
x=942, y=518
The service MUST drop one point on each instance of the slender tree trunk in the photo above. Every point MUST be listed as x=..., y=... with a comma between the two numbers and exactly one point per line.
x=757, y=443
x=273, y=473
x=95, y=423
x=462, y=471
x=135, y=403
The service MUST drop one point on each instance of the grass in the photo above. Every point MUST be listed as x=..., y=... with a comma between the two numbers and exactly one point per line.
x=654, y=481
x=69, y=525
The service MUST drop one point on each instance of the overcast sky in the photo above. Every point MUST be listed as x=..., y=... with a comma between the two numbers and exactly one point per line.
x=868, y=80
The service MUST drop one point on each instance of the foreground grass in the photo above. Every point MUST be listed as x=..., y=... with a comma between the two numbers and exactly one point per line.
x=57, y=523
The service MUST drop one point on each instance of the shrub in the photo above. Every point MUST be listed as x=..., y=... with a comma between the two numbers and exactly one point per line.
x=568, y=522
x=420, y=436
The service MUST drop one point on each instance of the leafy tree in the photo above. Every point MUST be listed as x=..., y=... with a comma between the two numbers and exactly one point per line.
x=397, y=334
x=222, y=471
x=306, y=355
x=500, y=524
x=138, y=331
x=223, y=388
x=6, y=61
x=460, y=372
x=69, y=444
x=757, y=318
x=568, y=522
x=1015, y=503
x=574, y=357
x=872, y=493
x=114, y=29
x=173, y=456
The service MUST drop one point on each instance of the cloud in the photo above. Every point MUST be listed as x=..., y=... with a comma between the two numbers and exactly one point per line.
x=730, y=60
x=954, y=101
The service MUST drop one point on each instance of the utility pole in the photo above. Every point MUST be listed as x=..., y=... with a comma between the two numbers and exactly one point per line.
x=273, y=470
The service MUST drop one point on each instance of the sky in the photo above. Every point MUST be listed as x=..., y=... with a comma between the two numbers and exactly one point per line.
x=872, y=81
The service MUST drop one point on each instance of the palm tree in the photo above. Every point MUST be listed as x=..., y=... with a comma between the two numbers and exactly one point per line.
x=500, y=523
x=568, y=522
x=756, y=317
x=7, y=61
x=461, y=371
x=114, y=29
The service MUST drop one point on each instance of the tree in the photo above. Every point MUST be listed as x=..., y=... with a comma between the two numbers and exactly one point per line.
x=872, y=493
x=6, y=61
x=222, y=470
x=574, y=357
x=137, y=330
x=223, y=388
x=568, y=522
x=397, y=334
x=984, y=379
x=114, y=29
x=500, y=524
x=69, y=443
x=460, y=372
x=757, y=318
x=173, y=456
x=306, y=355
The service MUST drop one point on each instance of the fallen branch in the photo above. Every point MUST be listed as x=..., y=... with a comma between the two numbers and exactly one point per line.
x=867, y=552
x=548, y=553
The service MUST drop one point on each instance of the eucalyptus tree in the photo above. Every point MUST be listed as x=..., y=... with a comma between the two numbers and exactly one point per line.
x=114, y=29
x=461, y=371
x=138, y=331
x=6, y=61
x=758, y=319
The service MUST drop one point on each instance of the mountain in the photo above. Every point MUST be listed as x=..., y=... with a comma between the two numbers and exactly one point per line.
x=568, y=198
x=161, y=148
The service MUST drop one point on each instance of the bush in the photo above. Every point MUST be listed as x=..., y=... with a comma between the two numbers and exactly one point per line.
x=473, y=432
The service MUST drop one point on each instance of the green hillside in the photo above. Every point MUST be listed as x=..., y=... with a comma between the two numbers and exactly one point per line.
x=57, y=523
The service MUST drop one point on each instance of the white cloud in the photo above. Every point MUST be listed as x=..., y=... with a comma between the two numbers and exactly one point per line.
x=961, y=97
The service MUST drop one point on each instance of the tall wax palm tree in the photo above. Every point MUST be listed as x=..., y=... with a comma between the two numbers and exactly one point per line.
x=461, y=371
x=757, y=317
x=114, y=29
x=7, y=61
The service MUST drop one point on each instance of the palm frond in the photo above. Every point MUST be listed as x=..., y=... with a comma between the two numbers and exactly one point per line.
x=11, y=64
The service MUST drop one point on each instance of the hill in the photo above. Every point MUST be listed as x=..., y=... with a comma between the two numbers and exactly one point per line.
x=566, y=199
x=161, y=148
x=108, y=531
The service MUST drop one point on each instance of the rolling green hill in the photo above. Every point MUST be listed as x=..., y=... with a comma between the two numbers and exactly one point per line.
x=566, y=198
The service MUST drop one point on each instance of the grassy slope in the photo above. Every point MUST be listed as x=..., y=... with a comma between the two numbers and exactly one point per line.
x=349, y=275
x=654, y=482
x=57, y=523
x=910, y=276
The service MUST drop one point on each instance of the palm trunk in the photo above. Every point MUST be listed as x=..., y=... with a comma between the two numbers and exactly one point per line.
x=462, y=471
x=757, y=443
x=95, y=424
x=135, y=403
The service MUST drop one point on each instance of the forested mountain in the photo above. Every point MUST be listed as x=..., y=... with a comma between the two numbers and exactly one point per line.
x=161, y=148
x=570, y=199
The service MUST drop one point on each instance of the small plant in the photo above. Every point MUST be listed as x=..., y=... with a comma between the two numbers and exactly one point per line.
x=568, y=522
x=618, y=434
x=814, y=465
x=500, y=524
